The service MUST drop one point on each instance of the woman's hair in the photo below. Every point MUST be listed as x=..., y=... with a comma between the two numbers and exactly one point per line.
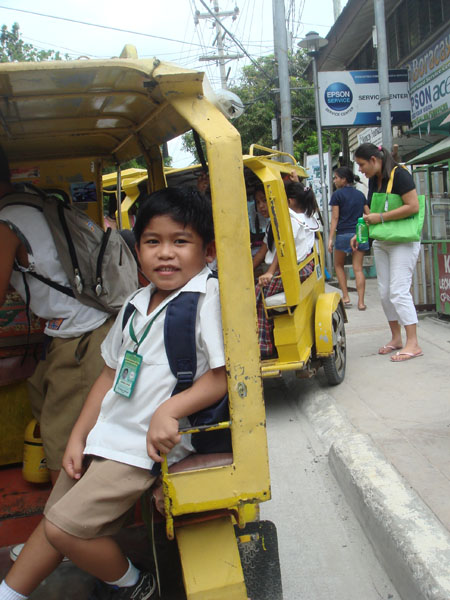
x=366, y=151
x=303, y=197
x=259, y=188
x=347, y=174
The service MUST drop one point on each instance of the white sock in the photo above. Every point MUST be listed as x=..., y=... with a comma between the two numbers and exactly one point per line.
x=6, y=593
x=130, y=578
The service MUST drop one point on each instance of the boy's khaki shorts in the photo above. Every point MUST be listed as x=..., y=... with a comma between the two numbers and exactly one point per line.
x=97, y=504
x=59, y=386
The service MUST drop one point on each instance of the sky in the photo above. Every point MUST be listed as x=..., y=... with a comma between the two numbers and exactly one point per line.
x=162, y=28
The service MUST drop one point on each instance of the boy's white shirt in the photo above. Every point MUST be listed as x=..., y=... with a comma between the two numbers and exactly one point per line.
x=303, y=230
x=121, y=429
x=66, y=317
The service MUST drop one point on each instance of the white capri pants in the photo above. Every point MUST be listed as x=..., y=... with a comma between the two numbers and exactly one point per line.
x=395, y=265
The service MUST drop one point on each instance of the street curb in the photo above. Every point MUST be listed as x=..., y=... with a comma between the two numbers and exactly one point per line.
x=410, y=542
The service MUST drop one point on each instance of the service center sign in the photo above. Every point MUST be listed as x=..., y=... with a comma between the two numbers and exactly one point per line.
x=352, y=98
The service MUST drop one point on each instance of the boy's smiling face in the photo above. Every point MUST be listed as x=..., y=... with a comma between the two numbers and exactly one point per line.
x=171, y=253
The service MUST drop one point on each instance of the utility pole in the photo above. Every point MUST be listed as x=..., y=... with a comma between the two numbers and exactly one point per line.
x=221, y=57
x=281, y=56
x=383, y=74
x=336, y=9
x=312, y=44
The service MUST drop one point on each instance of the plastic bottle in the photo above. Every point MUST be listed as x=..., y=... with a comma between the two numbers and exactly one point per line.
x=362, y=231
x=34, y=462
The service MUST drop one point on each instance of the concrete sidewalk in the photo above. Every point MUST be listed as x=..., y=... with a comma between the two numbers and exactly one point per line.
x=387, y=428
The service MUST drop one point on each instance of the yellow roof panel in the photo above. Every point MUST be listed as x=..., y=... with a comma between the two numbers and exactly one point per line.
x=106, y=108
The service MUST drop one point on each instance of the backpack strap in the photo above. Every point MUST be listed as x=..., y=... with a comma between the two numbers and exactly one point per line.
x=78, y=280
x=129, y=310
x=56, y=286
x=179, y=339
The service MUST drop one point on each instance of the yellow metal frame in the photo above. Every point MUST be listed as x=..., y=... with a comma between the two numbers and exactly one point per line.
x=296, y=332
x=307, y=317
x=115, y=110
x=112, y=111
x=326, y=305
x=247, y=480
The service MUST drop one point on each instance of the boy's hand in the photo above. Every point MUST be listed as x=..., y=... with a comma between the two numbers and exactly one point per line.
x=265, y=279
x=73, y=459
x=162, y=434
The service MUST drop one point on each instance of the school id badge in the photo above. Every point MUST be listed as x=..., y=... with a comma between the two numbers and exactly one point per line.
x=128, y=374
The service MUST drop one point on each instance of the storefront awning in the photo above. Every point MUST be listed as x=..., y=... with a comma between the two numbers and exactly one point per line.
x=436, y=152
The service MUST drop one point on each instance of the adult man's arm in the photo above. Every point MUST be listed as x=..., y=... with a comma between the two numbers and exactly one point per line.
x=9, y=246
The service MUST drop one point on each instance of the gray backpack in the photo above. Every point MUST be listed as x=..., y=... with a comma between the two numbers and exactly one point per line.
x=99, y=265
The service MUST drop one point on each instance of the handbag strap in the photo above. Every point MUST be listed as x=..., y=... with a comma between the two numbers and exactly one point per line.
x=390, y=182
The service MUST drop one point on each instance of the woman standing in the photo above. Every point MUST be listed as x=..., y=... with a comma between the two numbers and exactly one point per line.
x=347, y=205
x=395, y=261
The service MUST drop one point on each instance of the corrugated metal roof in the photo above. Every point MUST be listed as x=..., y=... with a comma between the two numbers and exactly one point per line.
x=432, y=154
x=108, y=108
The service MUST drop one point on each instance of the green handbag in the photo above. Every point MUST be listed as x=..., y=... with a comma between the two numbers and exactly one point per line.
x=402, y=230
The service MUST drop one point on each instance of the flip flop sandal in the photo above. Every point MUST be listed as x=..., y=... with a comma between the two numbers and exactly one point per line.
x=388, y=349
x=406, y=355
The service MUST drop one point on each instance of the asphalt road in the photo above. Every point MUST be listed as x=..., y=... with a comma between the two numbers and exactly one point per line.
x=324, y=554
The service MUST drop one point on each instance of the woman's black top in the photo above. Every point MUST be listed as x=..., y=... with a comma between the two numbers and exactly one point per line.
x=403, y=183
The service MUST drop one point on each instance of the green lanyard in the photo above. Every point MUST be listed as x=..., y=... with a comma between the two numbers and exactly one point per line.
x=147, y=329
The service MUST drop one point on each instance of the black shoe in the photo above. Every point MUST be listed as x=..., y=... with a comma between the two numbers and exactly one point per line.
x=100, y=591
x=144, y=589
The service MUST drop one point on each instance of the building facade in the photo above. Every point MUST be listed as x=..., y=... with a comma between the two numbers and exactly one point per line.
x=418, y=39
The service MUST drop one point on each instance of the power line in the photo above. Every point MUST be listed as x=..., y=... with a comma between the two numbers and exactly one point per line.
x=58, y=48
x=240, y=46
x=158, y=37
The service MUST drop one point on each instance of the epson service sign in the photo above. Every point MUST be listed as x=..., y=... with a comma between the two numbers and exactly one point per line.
x=352, y=98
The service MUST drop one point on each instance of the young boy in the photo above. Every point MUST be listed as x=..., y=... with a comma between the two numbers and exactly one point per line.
x=123, y=428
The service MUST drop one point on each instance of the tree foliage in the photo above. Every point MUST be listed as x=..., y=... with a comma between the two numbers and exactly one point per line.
x=257, y=88
x=14, y=49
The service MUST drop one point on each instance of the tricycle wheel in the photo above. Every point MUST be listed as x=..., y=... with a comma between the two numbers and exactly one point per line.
x=334, y=365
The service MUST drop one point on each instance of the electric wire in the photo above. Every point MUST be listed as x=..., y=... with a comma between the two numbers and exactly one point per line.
x=237, y=42
x=47, y=44
x=30, y=12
